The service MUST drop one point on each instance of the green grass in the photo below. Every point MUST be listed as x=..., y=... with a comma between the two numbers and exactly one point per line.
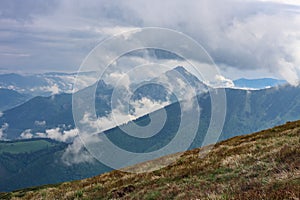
x=79, y=193
x=24, y=146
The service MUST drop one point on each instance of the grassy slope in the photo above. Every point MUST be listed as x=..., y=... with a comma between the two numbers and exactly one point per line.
x=264, y=165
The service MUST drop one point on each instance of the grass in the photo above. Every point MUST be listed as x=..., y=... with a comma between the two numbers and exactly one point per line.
x=263, y=165
x=78, y=193
x=24, y=146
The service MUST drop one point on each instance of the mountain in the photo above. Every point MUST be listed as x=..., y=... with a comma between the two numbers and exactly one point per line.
x=247, y=111
x=56, y=110
x=262, y=83
x=11, y=98
x=42, y=84
x=263, y=165
x=152, y=90
x=42, y=113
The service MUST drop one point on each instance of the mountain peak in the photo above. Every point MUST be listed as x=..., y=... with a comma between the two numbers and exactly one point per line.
x=180, y=69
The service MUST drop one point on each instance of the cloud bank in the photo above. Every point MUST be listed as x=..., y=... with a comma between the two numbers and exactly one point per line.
x=239, y=34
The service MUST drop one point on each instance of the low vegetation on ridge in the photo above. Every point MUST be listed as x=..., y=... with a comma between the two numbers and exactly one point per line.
x=263, y=165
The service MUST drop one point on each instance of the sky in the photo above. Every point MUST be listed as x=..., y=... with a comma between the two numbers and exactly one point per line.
x=245, y=38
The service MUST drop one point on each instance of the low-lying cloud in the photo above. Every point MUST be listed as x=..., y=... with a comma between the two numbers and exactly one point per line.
x=3, y=128
x=56, y=134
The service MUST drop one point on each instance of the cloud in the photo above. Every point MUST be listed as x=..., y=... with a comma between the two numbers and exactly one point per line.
x=3, y=128
x=84, y=81
x=120, y=115
x=55, y=134
x=40, y=123
x=15, y=54
x=291, y=2
x=25, y=12
x=54, y=89
x=224, y=82
x=289, y=72
x=59, y=135
x=76, y=153
x=27, y=134
x=242, y=34
x=1, y=114
x=119, y=78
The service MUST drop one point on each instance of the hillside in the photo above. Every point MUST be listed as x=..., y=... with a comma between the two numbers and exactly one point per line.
x=263, y=165
x=11, y=98
x=32, y=162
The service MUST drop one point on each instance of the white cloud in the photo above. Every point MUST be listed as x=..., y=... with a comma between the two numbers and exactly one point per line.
x=55, y=134
x=59, y=135
x=3, y=128
x=27, y=134
x=119, y=116
x=54, y=89
x=289, y=72
x=114, y=30
x=76, y=153
x=40, y=123
x=83, y=82
x=145, y=105
x=1, y=114
x=119, y=78
x=224, y=82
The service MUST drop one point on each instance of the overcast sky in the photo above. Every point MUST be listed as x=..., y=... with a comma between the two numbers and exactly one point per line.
x=246, y=38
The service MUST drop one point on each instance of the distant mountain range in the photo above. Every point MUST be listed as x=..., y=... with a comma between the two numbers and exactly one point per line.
x=262, y=83
x=41, y=84
x=47, y=84
x=54, y=83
